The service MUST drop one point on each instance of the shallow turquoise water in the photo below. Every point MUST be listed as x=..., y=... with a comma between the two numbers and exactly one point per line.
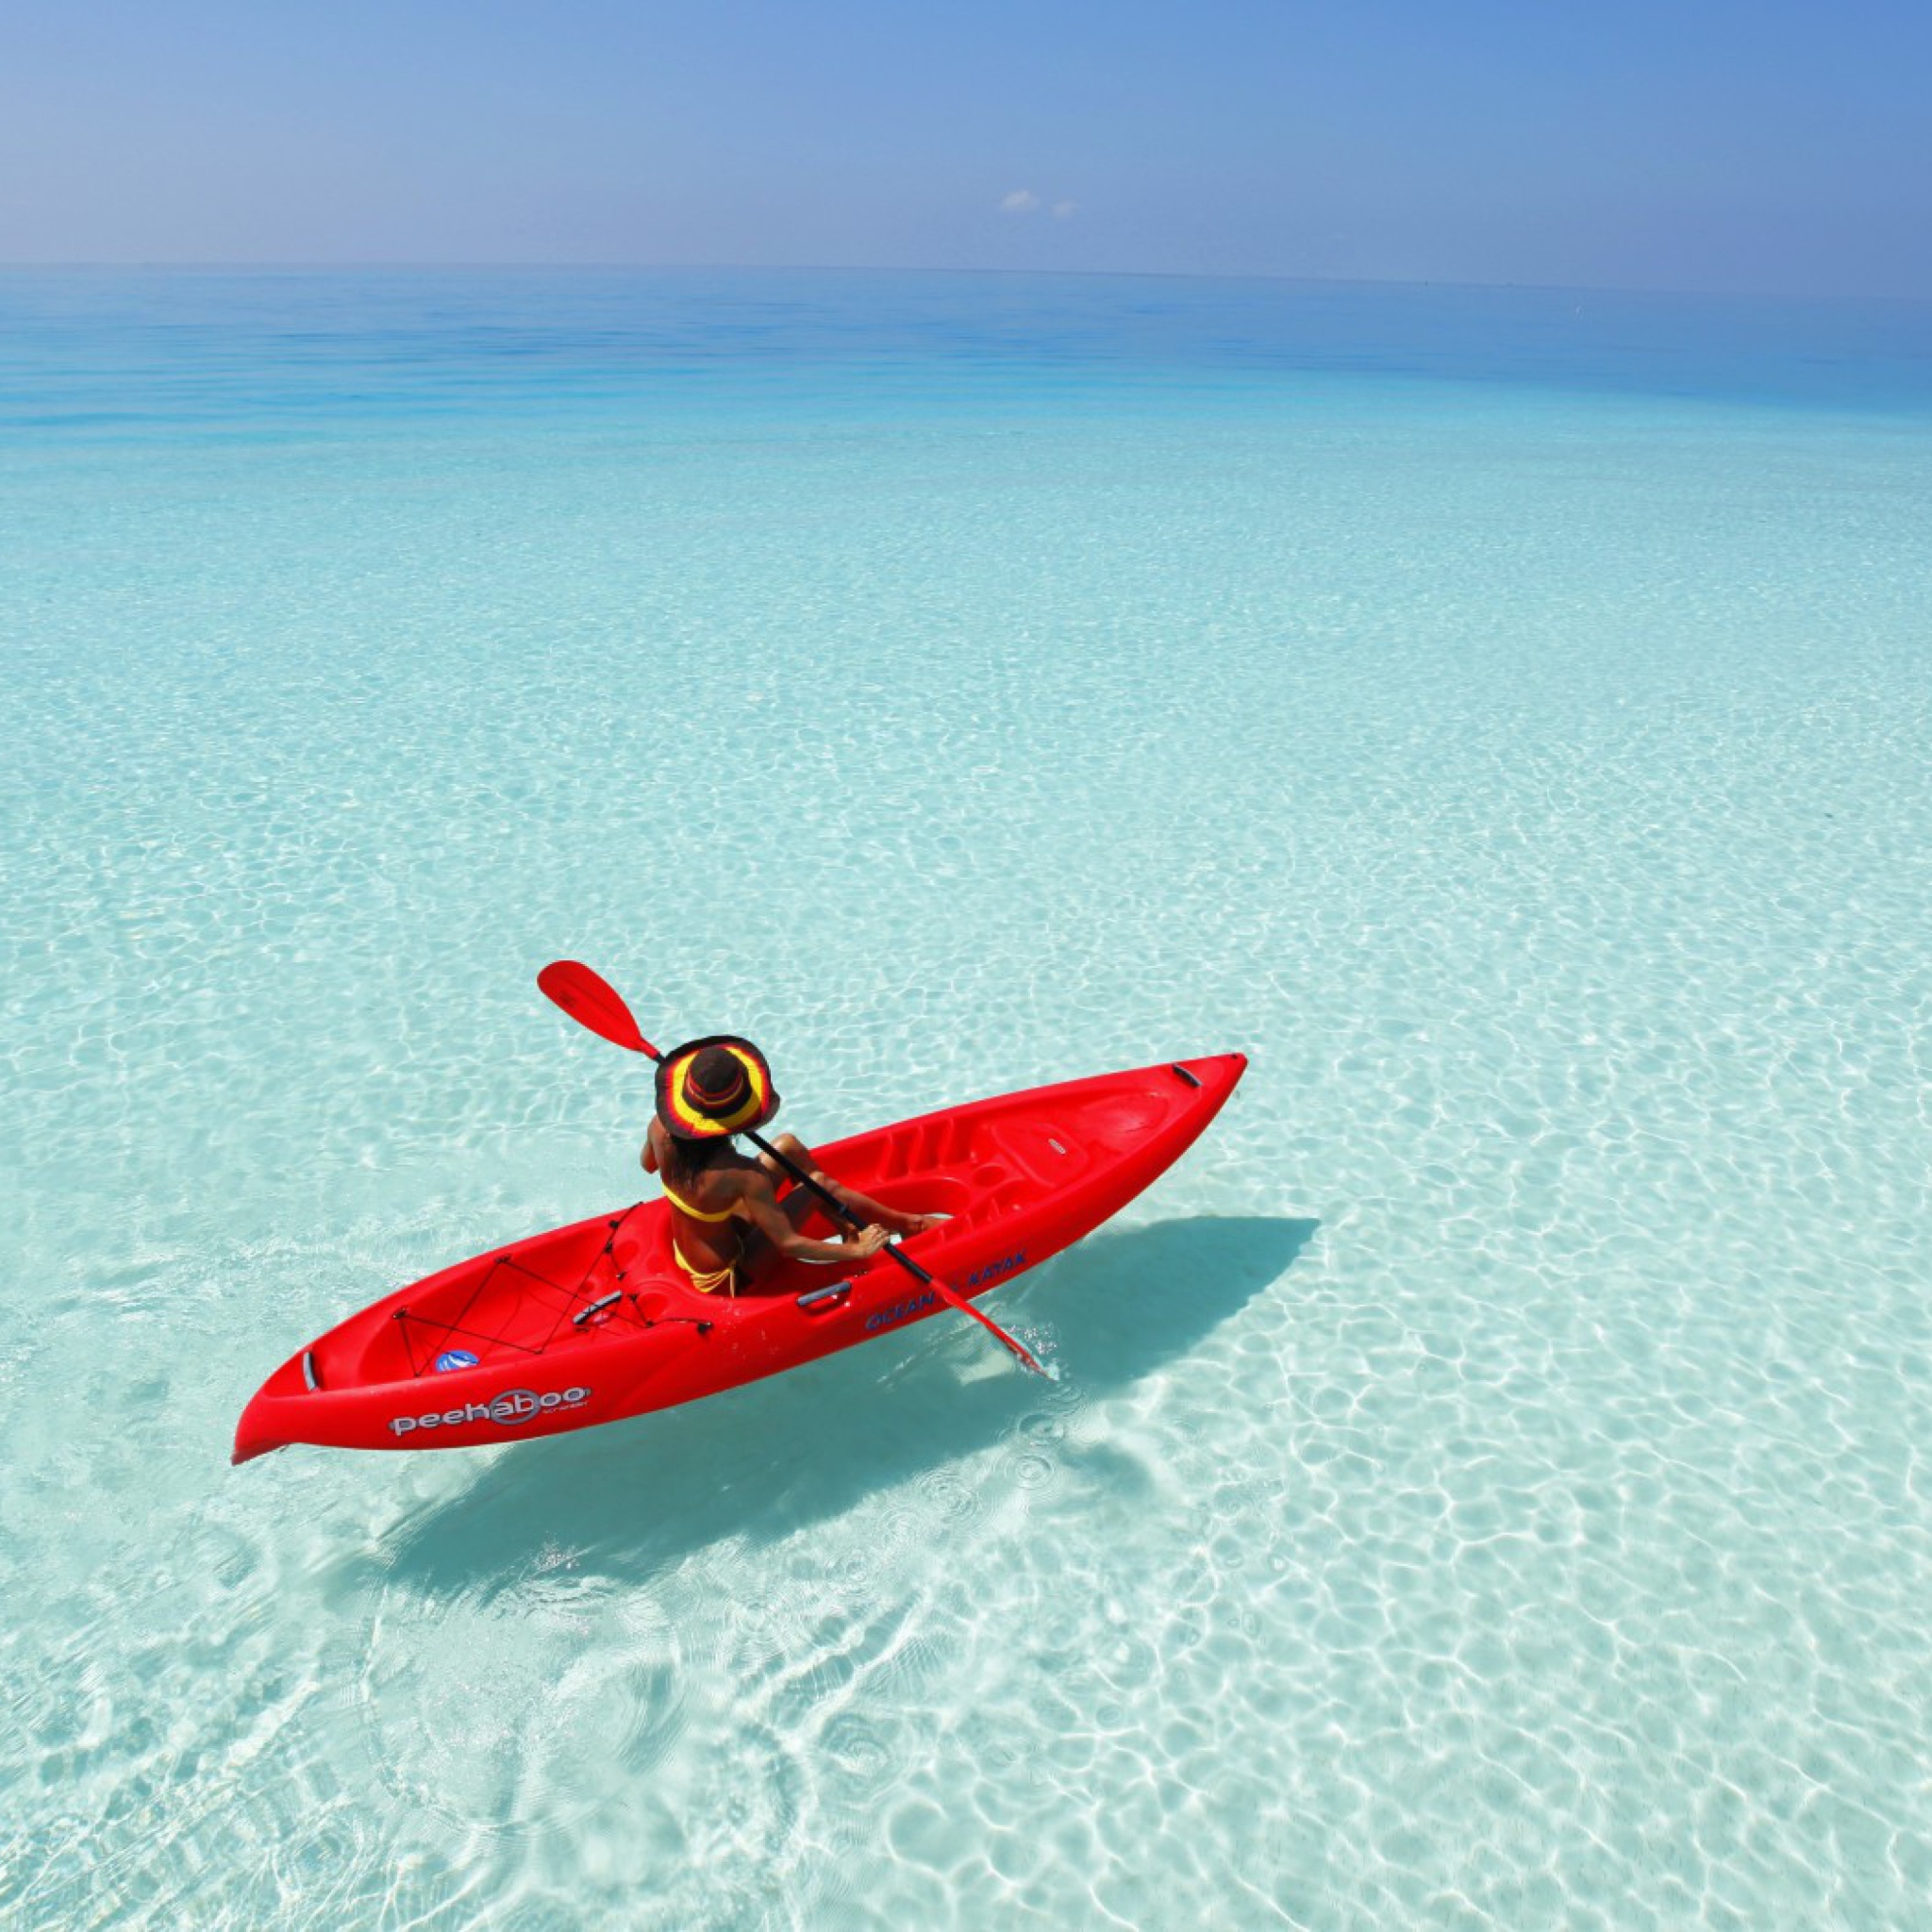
x=1489, y=1484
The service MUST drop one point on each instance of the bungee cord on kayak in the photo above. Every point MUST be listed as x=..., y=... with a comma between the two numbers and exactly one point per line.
x=593, y=1297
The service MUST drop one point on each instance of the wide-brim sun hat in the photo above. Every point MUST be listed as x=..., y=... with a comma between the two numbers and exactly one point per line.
x=715, y=1086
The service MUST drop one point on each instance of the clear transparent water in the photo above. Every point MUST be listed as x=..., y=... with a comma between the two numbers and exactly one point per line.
x=1489, y=1484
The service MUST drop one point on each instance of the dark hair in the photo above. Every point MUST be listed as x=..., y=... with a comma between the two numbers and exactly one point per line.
x=684, y=1160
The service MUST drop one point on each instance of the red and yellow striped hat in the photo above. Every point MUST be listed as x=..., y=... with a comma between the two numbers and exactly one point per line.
x=714, y=1086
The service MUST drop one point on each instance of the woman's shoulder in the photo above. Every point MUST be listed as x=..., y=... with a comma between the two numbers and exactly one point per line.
x=740, y=1173
x=726, y=1178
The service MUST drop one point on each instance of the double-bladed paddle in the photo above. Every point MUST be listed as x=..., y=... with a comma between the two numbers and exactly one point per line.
x=592, y=1002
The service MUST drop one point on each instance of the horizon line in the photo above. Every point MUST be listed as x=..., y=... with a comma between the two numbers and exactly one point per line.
x=403, y=265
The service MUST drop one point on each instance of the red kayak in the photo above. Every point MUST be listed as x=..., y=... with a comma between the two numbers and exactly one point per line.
x=594, y=1321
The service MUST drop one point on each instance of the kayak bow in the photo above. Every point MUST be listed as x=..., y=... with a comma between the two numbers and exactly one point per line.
x=594, y=1321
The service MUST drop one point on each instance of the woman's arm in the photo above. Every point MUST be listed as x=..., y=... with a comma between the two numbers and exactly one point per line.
x=761, y=1209
x=862, y=1208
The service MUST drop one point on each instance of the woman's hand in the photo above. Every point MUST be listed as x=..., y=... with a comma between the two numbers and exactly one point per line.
x=864, y=1246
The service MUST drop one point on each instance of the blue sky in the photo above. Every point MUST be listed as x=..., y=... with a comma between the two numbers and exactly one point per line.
x=1688, y=146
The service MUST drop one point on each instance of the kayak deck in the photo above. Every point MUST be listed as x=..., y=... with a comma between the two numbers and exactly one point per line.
x=599, y=1314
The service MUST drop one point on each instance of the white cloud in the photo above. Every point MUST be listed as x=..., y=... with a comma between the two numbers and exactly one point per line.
x=1061, y=210
x=1022, y=201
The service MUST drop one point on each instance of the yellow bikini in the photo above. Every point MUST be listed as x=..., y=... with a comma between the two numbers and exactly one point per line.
x=707, y=1281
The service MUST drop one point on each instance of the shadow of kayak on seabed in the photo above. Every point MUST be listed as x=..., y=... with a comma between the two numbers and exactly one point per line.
x=803, y=1448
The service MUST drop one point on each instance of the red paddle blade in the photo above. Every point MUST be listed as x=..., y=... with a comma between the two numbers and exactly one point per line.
x=592, y=1002
x=999, y=1334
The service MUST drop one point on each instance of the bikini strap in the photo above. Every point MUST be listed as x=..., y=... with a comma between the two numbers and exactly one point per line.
x=684, y=1207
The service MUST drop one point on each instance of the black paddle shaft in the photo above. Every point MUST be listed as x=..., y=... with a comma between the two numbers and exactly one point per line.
x=834, y=1205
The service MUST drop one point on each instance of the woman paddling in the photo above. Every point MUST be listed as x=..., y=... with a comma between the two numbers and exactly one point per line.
x=728, y=1223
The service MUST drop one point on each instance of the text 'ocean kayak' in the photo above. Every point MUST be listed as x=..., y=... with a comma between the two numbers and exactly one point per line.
x=594, y=1321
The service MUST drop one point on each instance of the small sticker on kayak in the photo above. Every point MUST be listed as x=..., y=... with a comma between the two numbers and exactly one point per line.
x=454, y=1359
